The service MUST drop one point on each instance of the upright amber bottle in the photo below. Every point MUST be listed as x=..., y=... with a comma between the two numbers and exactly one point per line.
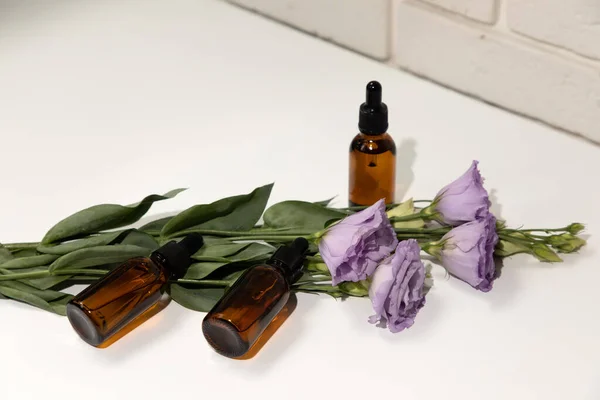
x=236, y=322
x=109, y=305
x=372, y=174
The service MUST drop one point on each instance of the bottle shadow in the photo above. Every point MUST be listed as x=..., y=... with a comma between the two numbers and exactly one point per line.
x=144, y=331
x=405, y=159
x=269, y=348
x=273, y=327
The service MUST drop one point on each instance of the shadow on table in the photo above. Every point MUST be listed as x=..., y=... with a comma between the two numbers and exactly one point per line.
x=270, y=349
x=496, y=207
x=145, y=331
x=405, y=160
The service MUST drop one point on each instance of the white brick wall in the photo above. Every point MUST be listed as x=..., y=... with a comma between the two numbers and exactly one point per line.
x=537, y=57
x=479, y=10
x=362, y=25
x=571, y=24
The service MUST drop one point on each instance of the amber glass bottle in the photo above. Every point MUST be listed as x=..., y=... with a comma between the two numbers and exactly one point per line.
x=115, y=301
x=236, y=322
x=372, y=168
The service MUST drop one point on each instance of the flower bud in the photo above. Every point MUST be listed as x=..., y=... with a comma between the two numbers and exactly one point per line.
x=566, y=243
x=403, y=210
x=544, y=253
x=504, y=248
x=575, y=228
x=316, y=266
x=356, y=289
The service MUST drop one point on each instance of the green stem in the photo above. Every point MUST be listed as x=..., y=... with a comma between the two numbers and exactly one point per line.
x=516, y=240
x=253, y=235
x=565, y=229
x=81, y=271
x=211, y=259
x=436, y=231
x=416, y=236
x=312, y=287
x=359, y=208
x=273, y=238
x=411, y=217
x=24, y=275
x=314, y=279
x=21, y=246
x=45, y=274
x=203, y=282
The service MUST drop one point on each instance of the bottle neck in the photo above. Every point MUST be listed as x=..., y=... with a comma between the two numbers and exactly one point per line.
x=162, y=262
x=290, y=275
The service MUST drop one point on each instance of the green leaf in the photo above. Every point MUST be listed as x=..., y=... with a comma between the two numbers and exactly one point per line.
x=221, y=249
x=155, y=226
x=102, y=217
x=102, y=239
x=324, y=203
x=5, y=254
x=47, y=300
x=94, y=256
x=202, y=269
x=233, y=277
x=24, y=253
x=248, y=252
x=237, y=213
x=47, y=295
x=300, y=215
x=48, y=282
x=255, y=251
x=141, y=239
x=199, y=299
x=29, y=262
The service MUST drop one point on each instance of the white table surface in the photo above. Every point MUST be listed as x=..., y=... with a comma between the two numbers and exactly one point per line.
x=111, y=101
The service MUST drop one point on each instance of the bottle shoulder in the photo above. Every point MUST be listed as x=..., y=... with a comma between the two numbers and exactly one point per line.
x=373, y=144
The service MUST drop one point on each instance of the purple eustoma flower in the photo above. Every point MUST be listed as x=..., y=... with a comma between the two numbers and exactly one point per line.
x=468, y=252
x=397, y=288
x=353, y=247
x=463, y=200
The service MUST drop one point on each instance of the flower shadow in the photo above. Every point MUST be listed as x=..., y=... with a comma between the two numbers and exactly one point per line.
x=360, y=309
x=496, y=207
x=405, y=159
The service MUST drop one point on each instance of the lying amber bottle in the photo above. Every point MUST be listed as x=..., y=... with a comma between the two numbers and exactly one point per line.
x=114, y=302
x=372, y=164
x=237, y=321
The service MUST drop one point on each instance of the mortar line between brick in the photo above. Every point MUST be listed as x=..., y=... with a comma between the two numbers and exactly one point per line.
x=388, y=56
x=557, y=128
x=389, y=61
x=507, y=33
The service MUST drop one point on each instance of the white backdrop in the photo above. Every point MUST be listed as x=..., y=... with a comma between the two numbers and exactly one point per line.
x=110, y=101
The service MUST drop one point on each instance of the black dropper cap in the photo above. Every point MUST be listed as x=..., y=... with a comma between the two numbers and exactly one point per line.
x=290, y=258
x=373, y=114
x=176, y=256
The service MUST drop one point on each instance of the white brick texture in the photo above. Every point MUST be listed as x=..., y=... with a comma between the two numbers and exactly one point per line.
x=362, y=25
x=499, y=69
x=572, y=24
x=479, y=10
